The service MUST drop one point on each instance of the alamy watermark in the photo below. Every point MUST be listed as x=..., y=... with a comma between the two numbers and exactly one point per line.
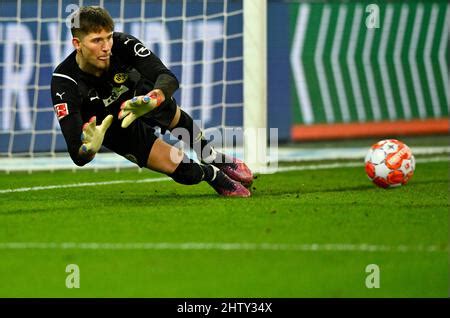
x=73, y=279
x=261, y=149
x=373, y=19
x=73, y=19
x=373, y=279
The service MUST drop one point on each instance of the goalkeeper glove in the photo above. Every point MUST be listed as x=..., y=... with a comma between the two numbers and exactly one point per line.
x=134, y=108
x=92, y=136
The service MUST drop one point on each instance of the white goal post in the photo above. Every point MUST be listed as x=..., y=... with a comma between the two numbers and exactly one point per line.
x=217, y=49
x=255, y=83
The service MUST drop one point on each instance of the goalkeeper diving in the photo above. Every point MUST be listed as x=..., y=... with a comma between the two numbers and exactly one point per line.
x=112, y=91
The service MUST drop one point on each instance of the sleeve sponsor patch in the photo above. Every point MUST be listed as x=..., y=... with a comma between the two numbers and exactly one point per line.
x=61, y=110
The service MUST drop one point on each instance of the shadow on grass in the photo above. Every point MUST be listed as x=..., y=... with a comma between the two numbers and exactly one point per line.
x=22, y=211
x=122, y=201
x=191, y=196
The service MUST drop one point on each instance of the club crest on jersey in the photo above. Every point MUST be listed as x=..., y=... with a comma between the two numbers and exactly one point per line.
x=61, y=110
x=120, y=78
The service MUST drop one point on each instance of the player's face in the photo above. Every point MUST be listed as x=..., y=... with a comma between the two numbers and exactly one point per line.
x=95, y=49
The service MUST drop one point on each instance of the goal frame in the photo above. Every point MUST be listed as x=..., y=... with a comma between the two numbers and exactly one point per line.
x=255, y=83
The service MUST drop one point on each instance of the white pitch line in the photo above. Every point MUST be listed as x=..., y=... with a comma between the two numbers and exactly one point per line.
x=341, y=165
x=266, y=170
x=191, y=246
x=315, y=167
x=83, y=184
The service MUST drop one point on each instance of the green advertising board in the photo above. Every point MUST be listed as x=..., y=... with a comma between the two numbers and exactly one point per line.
x=369, y=62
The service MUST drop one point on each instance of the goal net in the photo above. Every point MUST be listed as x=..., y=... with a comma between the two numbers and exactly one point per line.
x=201, y=41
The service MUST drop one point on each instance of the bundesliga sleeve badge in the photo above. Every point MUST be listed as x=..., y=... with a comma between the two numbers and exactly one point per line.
x=61, y=110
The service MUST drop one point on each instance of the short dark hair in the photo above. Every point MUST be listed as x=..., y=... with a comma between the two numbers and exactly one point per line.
x=90, y=19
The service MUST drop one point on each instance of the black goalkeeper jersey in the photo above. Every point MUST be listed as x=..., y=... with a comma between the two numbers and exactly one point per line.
x=77, y=96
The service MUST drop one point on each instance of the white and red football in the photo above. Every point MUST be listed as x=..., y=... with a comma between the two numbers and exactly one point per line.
x=390, y=163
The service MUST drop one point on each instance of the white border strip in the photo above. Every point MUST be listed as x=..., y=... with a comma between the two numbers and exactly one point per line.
x=412, y=55
x=337, y=72
x=428, y=61
x=314, y=247
x=297, y=67
x=442, y=55
x=386, y=81
x=319, y=64
x=351, y=63
x=398, y=63
x=368, y=70
x=65, y=76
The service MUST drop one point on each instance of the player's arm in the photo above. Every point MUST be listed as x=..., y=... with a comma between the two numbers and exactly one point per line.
x=165, y=86
x=92, y=137
x=67, y=103
x=83, y=140
x=150, y=66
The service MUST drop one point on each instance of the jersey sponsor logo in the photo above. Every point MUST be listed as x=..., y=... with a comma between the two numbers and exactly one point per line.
x=127, y=40
x=115, y=94
x=120, y=78
x=141, y=50
x=61, y=110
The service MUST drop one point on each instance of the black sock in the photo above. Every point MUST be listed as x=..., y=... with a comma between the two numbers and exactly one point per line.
x=209, y=172
x=189, y=172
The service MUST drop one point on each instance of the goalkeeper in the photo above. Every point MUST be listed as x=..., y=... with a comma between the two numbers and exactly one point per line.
x=113, y=91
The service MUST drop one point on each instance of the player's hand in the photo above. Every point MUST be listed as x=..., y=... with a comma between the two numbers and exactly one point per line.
x=158, y=94
x=92, y=135
x=134, y=108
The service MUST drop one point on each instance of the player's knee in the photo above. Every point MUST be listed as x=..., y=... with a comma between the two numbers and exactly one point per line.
x=188, y=172
x=164, y=157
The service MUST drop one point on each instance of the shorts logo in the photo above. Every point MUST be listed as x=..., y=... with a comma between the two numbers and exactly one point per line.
x=131, y=157
x=120, y=78
x=61, y=110
x=141, y=50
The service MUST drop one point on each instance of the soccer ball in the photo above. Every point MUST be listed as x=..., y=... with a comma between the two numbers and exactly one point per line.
x=390, y=163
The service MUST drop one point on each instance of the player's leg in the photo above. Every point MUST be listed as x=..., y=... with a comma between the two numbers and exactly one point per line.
x=233, y=167
x=172, y=161
x=139, y=144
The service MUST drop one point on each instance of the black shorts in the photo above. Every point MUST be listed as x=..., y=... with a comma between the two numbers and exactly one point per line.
x=136, y=141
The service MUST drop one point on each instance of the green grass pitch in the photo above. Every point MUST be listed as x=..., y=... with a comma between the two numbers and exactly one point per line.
x=407, y=228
